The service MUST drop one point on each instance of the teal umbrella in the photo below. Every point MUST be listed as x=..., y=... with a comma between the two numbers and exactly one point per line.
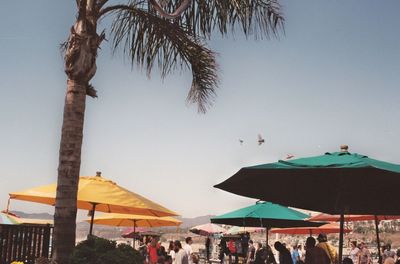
x=265, y=214
x=335, y=183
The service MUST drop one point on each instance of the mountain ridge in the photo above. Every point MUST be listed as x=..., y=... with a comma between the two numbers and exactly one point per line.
x=187, y=222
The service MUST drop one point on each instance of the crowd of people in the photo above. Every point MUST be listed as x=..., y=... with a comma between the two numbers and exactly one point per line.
x=316, y=251
x=359, y=254
x=154, y=253
x=255, y=253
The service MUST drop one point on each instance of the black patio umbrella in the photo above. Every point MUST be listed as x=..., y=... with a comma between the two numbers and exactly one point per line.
x=335, y=183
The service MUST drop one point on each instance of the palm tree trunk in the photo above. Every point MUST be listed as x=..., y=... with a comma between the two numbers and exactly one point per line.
x=68, y=172
x=80, y=67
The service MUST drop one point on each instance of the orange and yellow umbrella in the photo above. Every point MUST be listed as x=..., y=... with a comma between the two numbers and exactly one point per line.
x=98, y=194
x=134, y=221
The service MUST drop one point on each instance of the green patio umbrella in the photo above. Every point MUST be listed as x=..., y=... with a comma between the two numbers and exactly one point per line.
x=335, y=183
x=265, y=214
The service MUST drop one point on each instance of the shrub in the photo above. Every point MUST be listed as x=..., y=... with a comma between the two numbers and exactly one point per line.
x=97, y=250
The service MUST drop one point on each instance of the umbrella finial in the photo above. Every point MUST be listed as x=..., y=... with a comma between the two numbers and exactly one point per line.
x=344, y=148
x=98, y=173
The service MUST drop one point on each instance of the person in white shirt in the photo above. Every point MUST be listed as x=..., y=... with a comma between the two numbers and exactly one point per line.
x=180, y=254
x=188, y=249
x=171, y=251
x=354, y=252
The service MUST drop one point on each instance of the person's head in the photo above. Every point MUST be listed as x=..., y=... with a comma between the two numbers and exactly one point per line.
x=189, y=240
x=251, y=242
x=347, y=261
x=259, y=245
x=171, y=245
x=154, y=241
x=162, y=249
x=353, y=244
x=383, y=248
x=147, y=239
x=299, y=247
x=388, y=246
x=279, y=246
x=322, y=238
x=177, y=245
x=310, y=242
x=295, y=247
x=362, y=245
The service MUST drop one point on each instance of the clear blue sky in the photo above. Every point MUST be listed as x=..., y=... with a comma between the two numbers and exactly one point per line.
x=332, y=79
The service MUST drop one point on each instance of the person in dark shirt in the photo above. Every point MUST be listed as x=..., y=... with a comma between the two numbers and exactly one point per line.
x=208, y=244
x=284, y=254
x=251, y=253
x=270, y=256
x=223, y=249
x=347, y=261
x=260, y=254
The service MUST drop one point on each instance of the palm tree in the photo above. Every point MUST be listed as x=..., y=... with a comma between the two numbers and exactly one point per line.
x=169, y=33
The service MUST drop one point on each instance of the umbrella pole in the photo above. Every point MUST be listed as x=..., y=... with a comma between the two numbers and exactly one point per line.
x=341, y=237
x=266, y=236
x=8, y=205
x=92, y=219
x=134, y=231
x=377, y=239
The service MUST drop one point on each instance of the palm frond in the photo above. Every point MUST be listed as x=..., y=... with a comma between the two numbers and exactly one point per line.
x=149, y=39
x=258, y=18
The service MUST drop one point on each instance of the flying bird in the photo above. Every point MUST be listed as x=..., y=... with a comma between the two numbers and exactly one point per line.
x=260, y=140
x=289, y=156
x=241, y=141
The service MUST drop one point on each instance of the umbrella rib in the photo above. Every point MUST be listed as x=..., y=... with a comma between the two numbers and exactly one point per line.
x=154, y=213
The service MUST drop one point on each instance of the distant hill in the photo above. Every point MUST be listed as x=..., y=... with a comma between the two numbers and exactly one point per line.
x=199, y=220
x=109, y=232
x=186, y=222
x=82, y=228
x=33, y=216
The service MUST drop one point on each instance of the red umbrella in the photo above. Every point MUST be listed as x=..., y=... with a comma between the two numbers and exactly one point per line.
x=351, y=218
x=327, y=229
